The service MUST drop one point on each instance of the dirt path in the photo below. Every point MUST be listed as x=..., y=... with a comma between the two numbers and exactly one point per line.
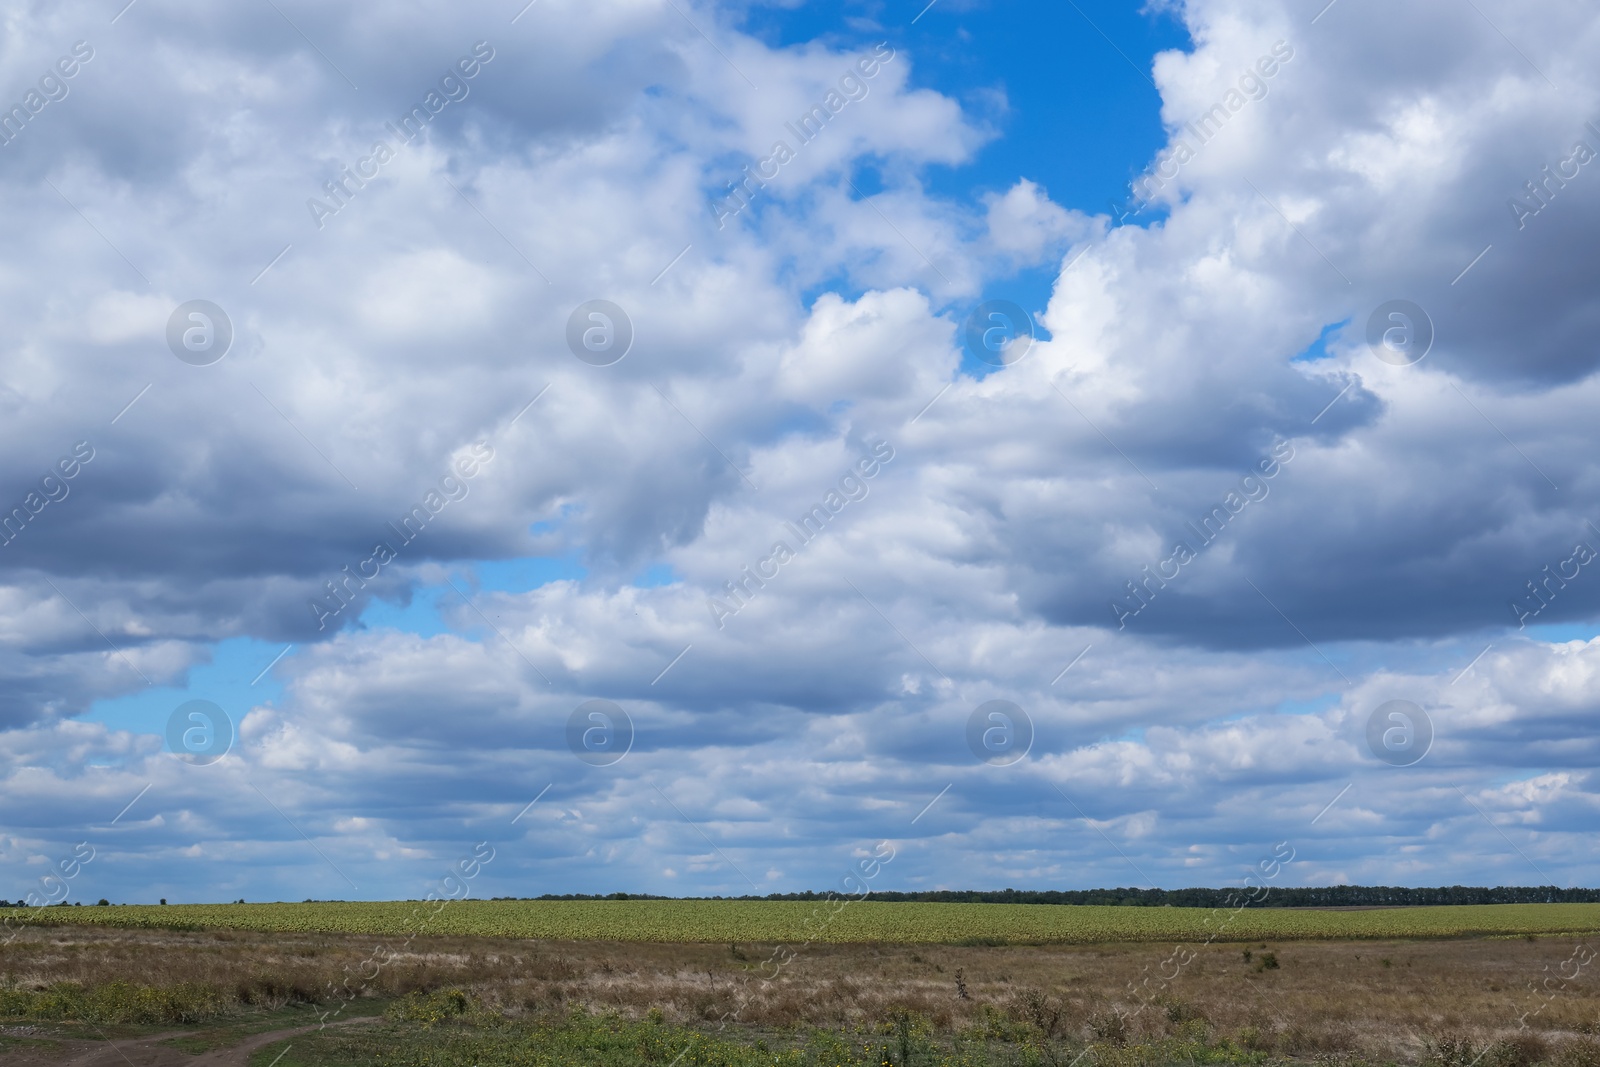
x=150, y=1052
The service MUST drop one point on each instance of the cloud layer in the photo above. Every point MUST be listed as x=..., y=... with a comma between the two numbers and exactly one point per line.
x=1200, y=533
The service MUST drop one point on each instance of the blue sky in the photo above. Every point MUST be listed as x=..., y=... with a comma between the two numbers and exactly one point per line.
x=1201, y=535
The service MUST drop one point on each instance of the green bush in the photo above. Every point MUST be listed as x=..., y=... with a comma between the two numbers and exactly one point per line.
x=116, y=1002
x=431, y=1008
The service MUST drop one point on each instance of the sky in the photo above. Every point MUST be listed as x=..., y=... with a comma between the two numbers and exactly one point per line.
x=688, y=447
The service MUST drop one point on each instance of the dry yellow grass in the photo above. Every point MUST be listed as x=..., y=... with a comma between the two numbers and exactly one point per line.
x=1377, y=1001
x=841, y=921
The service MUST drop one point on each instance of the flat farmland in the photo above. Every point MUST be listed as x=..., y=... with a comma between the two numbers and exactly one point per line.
x=94, y=995
x=837, y=922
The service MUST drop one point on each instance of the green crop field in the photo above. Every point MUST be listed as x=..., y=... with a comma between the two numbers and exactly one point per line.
x=839, y=922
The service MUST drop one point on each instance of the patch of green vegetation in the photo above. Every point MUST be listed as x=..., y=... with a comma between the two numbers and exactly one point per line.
x=447, y=1030
x=115, y=1002
x=430, y=1008
x=20, y=1044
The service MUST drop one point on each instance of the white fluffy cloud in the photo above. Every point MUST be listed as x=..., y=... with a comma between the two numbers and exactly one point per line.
x=775, y=348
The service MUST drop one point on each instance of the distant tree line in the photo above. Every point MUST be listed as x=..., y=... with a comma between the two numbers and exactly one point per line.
x=1335, y=896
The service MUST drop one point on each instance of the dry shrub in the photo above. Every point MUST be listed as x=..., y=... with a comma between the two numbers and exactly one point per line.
x=1039, y=1010
x=1523, y=1049
x=1580, y=1052
x=277, y=990
x=1337, y=1059
x=1253, y=1039
x=1309, y=1039
x=1449, y=1050
x=1110, y=1028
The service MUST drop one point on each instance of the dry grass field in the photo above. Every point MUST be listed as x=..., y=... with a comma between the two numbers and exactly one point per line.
x=1443, y=1002
x=843, y=920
